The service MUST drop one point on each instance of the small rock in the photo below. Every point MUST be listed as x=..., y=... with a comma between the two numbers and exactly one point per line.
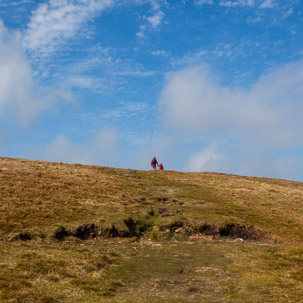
x=193, y=289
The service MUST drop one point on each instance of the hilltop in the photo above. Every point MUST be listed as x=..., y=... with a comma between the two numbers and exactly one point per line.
x=79, y=233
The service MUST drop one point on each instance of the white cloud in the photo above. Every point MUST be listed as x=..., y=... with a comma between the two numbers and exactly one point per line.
x=262, y=4
x=64, y=150
x=156, y=19
x=162, y=53
x=201, y=2
x=208, y=159
x=99, y=151
x=59, y=20
x=155, y=4
x=241, y=3
x=19, y=97
x=83, y=82
x=267, y=4
x=254, y=19
x=129, y=110
x=250, y=161
x=288, y=13
x=256, y=162
x=141, y=34
x=134, y=73
x=16, y=3
x=105, y=145
x=15, y=75
x=269, y=113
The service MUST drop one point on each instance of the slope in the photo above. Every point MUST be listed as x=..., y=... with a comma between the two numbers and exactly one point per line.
x=77, y=233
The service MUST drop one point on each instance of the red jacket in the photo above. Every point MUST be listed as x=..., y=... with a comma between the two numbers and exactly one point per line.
x=154, y=164
x=161, y=166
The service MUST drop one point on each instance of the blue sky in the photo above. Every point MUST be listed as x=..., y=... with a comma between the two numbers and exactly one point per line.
x=204, y=85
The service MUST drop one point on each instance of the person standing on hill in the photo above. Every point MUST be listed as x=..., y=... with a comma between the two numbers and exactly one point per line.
x=154, y=163
x=161, y=166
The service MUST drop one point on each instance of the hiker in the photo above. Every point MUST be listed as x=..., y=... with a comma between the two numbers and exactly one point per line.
x=154, y=163
x=161, y=166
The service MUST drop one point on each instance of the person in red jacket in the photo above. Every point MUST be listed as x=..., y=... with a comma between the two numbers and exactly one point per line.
x=154, y=163
x=161, y=166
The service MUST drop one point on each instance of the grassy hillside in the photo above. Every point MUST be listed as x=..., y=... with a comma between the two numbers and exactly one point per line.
x=76, y=233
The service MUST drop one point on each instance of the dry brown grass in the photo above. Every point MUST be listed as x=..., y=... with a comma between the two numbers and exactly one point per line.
x=174, y=261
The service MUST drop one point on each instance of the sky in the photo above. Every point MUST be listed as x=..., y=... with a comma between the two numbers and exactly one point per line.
x=203, y=85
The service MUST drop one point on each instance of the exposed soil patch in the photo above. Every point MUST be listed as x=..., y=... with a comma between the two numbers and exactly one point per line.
x=132, y=227
x=113, y=232
x=92, y=231
x=85, y=232
x=207, y=229
x=245, y=232
x=231, y=230
x=61, y=233
x=138, y=228
x=24, y=236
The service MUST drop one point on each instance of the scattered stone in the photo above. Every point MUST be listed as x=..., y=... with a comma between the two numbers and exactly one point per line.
x=161, y=211
x=193, y=289
x=151, y=213
x=181, y=230
x=175, y=225
x=163, y=199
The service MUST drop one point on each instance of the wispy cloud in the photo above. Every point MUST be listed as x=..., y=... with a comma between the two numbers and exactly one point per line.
x=288, y=13
x=201, y=2
x=224, y=51
x=162, y=53
x=236, y=3
x=256, y=19
x=130, y=110
x=267, y=4
x=135, y=73
x=154, y=20
x=56, y=21
x=15, y=3
x=262, y=4
x=140, y=33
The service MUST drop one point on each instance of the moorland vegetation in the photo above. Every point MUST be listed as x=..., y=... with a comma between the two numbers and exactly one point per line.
x=79, y=233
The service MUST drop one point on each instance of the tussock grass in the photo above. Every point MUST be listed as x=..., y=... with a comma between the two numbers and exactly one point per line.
x=175, y=252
